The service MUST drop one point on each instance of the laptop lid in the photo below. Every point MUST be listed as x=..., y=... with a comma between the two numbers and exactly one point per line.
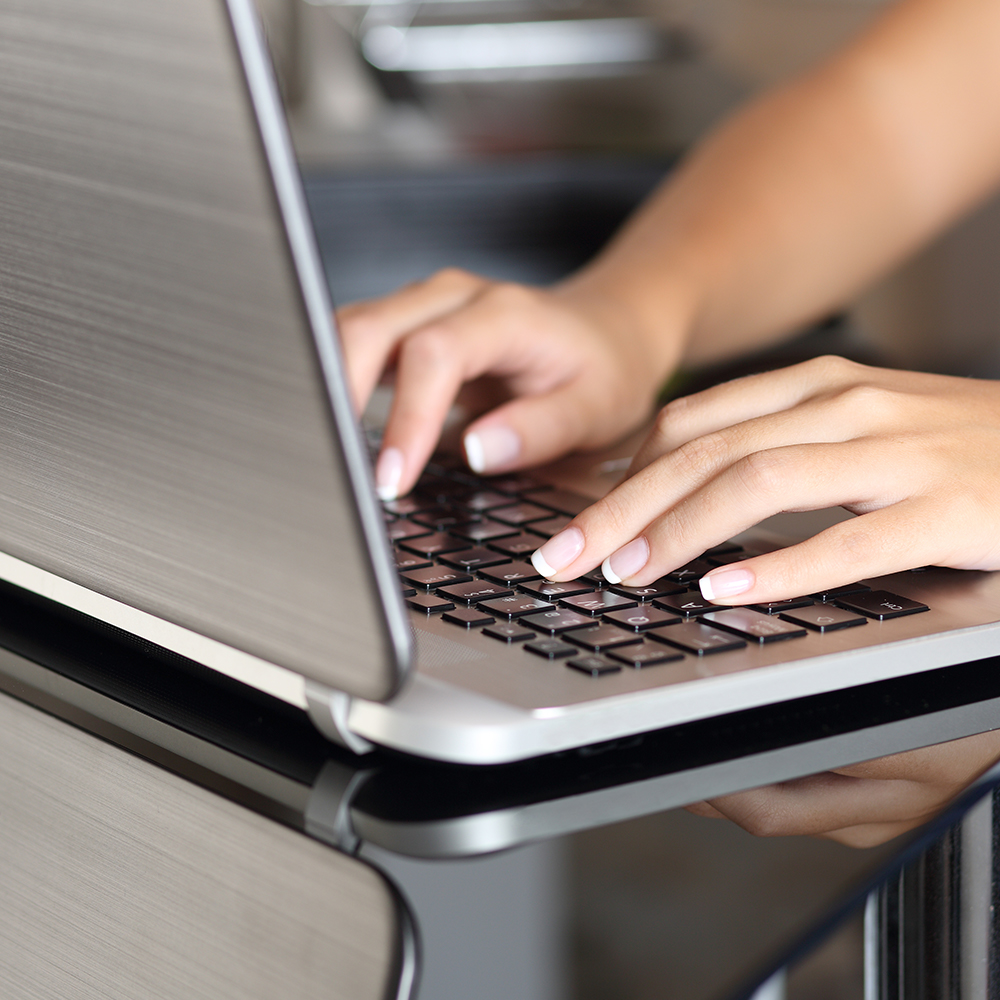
x=179, y=454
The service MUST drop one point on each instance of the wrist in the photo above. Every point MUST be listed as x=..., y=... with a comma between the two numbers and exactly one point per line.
x=654, y=329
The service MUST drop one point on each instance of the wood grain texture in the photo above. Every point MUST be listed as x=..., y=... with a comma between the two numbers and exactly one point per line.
x=119, y=880
x=164, y=431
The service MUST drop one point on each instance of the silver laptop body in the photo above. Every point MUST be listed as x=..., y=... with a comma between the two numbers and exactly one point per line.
x=179, y=455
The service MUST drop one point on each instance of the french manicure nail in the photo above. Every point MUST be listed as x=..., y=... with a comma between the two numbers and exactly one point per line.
x=388, y=472
x=726, y=583
x=558, y=552
x=627, y=561
x=491, y=448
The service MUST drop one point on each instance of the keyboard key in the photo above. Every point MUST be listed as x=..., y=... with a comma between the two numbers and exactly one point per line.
x=549, y=590
x=408, y=591
x=834, y=592
x=549, y=527
x=520, y=513
x=596, y=577
x=474, y=559
x=514, y=606
x=776, y=607
x=595, y=666
x=557, y=620
x=690, y=572
x=399, y=531
x=482, y=500
x=515, y=572
x=482, y=531
x=754, y=625
x=824, y=617
x=551, y=649
x=438, y=517
x=881, y=604
x=440, y=487
x=690, y=604
x=515, y=484
x=434, y=576
x=562, y=501
x=645, y=654
x=598, y=603
x=469, y=617
x=509, y=632
x=433, y=545
x=658, y=588
x=474, y=591
x=694, y=637
x=430, y=603
x=517, y=546
x=405, y=506
x=603, y=636
x=407, y=560
x=642, y=618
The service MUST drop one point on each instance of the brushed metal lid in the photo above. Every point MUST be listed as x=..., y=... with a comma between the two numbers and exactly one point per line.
x=175, y=429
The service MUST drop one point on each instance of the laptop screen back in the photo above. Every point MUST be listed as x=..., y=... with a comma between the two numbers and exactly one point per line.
x=165, y=424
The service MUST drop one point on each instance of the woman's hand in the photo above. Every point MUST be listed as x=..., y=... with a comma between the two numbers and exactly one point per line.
x=570, y=368
x=865, y=804
x=917, y=456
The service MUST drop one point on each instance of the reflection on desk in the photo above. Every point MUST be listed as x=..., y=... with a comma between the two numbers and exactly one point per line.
x=263, y=754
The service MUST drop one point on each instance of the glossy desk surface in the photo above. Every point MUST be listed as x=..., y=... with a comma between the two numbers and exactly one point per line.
x=456, y=837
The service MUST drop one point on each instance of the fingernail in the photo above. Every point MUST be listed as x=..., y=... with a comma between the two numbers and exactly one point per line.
x=627, y=561
x=491, y=448
x=388, y=472
x=558, y=552
x=726, y=583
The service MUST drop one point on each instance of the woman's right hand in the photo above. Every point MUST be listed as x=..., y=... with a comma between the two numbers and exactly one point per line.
x=554, y=369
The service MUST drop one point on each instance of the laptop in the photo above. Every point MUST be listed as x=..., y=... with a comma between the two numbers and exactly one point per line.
x=181, y=460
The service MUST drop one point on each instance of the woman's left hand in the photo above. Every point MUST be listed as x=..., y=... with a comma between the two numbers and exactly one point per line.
x=917, y=456
x=865, y=804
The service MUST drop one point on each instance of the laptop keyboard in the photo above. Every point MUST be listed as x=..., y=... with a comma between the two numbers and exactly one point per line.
x=462, y=545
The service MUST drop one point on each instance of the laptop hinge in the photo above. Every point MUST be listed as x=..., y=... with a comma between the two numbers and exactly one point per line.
x=329, y=711
x=328, y=812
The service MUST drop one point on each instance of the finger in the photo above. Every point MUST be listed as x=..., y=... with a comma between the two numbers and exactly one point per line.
x=894, y=536
x=794, y=477
x=890, y=540
x=827, y=802
x=431, y=368
x=691, y=417
x=626, y=511
x=371, y=330
x=492, y=334
x=703, y=809
x=531, y=430
x=951, y=765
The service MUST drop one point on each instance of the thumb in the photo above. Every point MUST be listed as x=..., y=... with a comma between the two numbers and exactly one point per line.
x=529, y=430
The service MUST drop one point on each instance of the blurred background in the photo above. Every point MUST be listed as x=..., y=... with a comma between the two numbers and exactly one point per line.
x=512, y=136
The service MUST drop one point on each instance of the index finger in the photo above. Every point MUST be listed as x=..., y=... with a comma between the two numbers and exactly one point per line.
x=370, y=331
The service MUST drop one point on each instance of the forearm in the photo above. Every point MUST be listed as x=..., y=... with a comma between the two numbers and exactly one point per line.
x=815, y=189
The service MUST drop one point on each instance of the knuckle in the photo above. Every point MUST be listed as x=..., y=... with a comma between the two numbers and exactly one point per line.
x=454, y=277
x=703, y=454
x=874, y=401
x=672, y=418
x=763, y=473
x=766, y=820
x=833, y=367
x=430, y=347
